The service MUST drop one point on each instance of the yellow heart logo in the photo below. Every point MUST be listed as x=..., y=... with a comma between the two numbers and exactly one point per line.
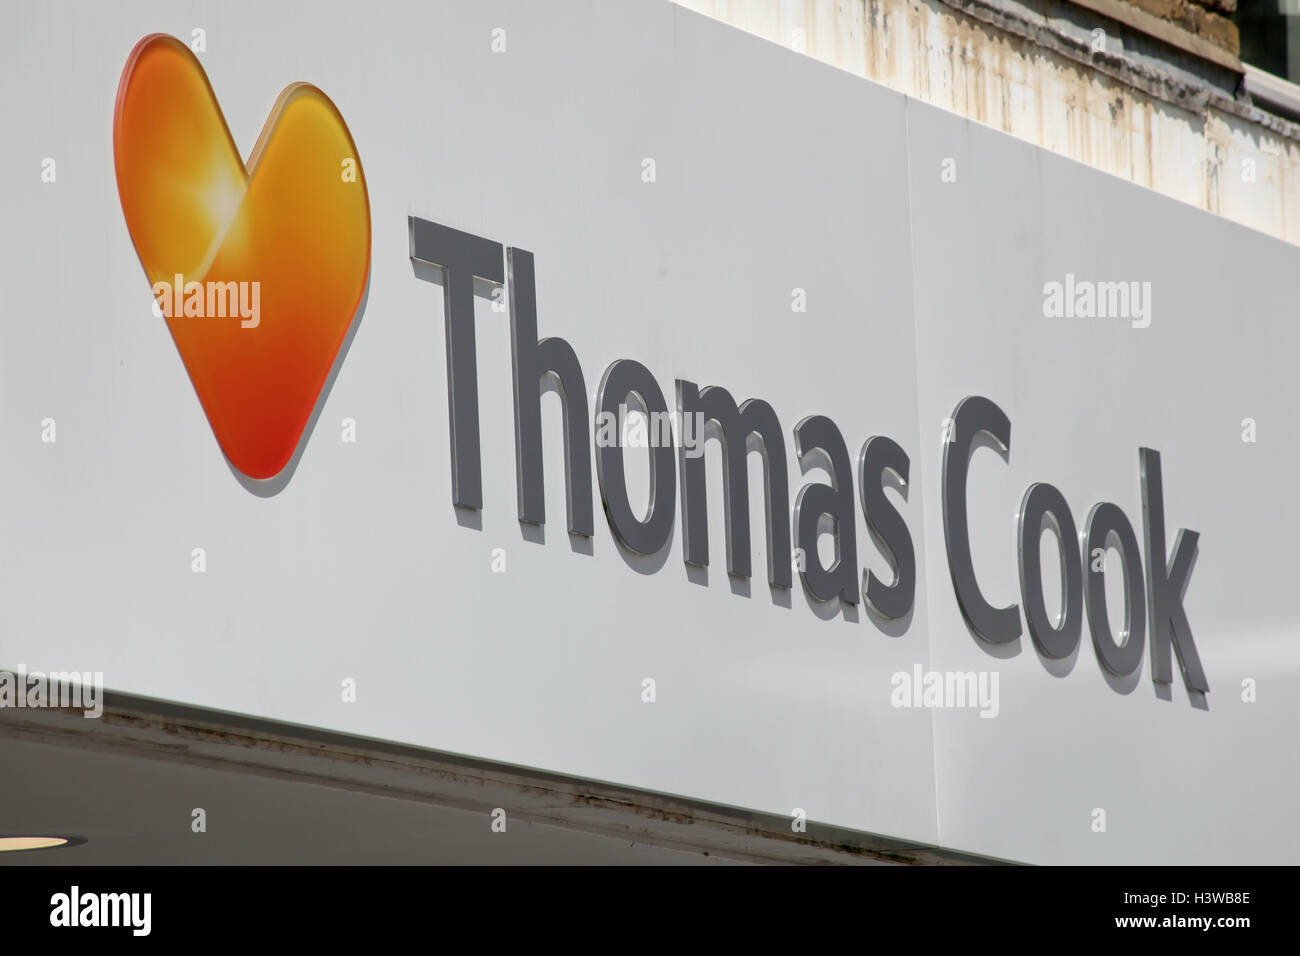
x=259, y=269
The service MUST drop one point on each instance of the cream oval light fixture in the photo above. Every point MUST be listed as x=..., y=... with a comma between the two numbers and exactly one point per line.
x=31, y=842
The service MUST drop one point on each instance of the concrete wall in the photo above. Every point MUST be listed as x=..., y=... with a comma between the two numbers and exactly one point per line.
x=1158, y=105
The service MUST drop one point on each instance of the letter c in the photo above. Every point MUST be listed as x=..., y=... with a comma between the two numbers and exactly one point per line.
x=973, y=415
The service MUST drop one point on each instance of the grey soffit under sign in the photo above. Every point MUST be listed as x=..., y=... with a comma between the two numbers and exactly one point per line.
x=1153, y=597
x=143, y=732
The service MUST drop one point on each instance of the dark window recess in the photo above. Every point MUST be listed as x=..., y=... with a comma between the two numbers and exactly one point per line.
x=1270, y=36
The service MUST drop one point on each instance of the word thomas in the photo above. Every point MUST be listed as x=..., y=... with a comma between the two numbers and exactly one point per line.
x=819, y=508
x=210, y=300
x=536, y=363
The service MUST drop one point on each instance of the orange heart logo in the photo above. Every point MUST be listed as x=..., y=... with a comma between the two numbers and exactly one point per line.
x=258, y=269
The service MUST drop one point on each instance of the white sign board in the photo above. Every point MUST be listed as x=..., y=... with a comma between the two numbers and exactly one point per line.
x=727, y=213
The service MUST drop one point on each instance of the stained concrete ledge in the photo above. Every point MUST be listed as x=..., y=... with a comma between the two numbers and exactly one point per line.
x=1100, y=81
x=135, y=729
